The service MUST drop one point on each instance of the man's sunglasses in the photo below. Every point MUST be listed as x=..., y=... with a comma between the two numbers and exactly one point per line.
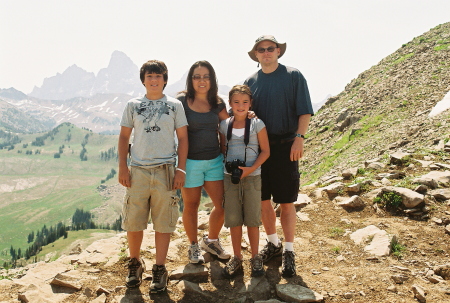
x=262, y=50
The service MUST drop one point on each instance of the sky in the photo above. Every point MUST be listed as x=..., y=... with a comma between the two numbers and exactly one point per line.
x=330, y=41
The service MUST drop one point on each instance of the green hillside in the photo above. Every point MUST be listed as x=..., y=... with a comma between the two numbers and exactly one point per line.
x=46, y=176
x=384, y=109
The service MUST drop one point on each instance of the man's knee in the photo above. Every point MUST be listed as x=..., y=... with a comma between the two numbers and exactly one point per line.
x=287, y=208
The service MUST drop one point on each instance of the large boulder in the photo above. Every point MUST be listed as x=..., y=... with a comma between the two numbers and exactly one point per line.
x=434, y=178
x=410, y=198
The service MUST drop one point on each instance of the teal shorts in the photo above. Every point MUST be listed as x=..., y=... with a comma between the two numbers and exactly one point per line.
x=199, y=171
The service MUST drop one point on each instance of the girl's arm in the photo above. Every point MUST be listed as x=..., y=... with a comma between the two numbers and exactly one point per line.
x=263, y=141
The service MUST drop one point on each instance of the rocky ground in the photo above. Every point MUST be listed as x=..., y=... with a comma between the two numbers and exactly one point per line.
x=349, y=248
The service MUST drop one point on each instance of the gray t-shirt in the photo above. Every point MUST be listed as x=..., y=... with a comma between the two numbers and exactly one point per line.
x=279, y=98
x=154, y=123
x=202, y=131
x=236, y=146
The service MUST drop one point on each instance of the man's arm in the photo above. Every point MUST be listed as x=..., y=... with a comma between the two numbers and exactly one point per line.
x=124, y=141
x=297, y=146
x=182, y=151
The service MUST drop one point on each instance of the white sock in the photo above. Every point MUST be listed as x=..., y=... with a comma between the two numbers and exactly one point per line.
x=289, y=246
x=211, y=240
x=273, y=238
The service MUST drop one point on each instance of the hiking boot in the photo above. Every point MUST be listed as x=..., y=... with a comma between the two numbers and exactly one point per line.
x=214, y=248
x=159, y=279
x=233, y=266
x=270, y=250
x=288, y=264
x=195, y=254
x=135, y=269
x=257, y=266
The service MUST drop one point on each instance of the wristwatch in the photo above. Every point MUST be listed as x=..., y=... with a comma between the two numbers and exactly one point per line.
x=300, y=136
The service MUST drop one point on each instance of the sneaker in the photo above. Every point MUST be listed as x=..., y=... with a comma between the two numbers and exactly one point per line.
x=159, y=279
x=288, y=264
x=135, y=269
x=270, y=250
x=214, y=248
x=195, y=254
x=232, y=267
x=257, y=266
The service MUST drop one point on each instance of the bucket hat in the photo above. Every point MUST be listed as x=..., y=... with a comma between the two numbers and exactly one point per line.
x=282, y=46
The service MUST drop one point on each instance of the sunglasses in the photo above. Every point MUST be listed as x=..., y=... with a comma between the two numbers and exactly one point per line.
x=198, y=77
x=262, y=50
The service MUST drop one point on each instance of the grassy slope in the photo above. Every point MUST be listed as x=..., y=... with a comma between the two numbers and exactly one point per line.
x=390, y=98
x=62, y=245
x=52, y=188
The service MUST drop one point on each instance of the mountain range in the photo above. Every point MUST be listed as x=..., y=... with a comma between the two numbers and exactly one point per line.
x=87, y=100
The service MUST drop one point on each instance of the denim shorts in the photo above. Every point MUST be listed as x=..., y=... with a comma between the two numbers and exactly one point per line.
x=199, y=171
x=149, y=195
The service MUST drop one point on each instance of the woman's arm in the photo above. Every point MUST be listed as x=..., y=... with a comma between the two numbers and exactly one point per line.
x=223, y=114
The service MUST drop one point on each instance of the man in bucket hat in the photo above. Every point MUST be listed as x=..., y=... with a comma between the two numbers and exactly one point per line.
x=281, y=100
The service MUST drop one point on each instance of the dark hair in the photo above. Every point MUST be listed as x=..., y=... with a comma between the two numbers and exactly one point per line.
x=213, y=98
x=240, y=89
x=154, y=67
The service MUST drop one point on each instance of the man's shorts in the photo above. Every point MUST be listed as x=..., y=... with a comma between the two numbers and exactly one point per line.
x=199, y=171
x=149, y=194
x=280, y=176
x=242, y=202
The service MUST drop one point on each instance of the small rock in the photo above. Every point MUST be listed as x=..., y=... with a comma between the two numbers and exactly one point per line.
x=350, y=173
x=348, y=295
x=102, y=290
x=422, y=189
x=392, y=288
x=399, y=158
x=376, y=166
x=66, y=281
x=297, y=293
x=419, y=293
x=386, y=182
x=340, y=258
x=436, y=220
x=399, y=279
x=353, y=202
x=354, y=188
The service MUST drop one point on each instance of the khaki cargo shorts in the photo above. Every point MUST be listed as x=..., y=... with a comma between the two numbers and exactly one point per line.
x=150, y=194
x=242, y=202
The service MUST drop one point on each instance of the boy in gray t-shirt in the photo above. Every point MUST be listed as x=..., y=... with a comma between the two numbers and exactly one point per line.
x=241, y=139
x=152, y=179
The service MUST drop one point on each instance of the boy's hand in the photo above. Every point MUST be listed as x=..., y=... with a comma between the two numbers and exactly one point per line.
x=124, y=177
x=245, y=171
x=178, y=180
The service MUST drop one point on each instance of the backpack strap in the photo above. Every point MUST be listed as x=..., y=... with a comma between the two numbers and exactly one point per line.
x=246, y=133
